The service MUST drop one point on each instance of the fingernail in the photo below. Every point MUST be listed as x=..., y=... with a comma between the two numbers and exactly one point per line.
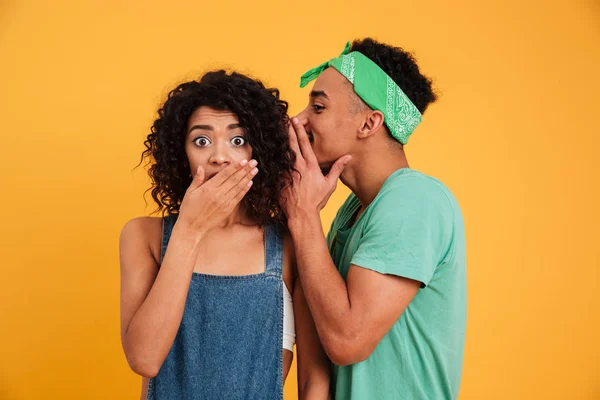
x=254, y=171
x=295, y=120
x=244, y=162
x=249, y=183
x=253, y=163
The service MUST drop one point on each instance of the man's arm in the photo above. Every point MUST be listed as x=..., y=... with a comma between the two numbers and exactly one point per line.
x=313, y=365
x=351, y=317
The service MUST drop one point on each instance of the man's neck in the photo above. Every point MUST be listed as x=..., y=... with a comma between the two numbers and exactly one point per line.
x=370, y=168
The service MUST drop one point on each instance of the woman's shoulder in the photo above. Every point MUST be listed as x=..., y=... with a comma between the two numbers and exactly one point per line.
x=142, y=232
x=142, y=226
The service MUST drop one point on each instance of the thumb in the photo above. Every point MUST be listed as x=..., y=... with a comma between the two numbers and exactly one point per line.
x=337, y=168
x=198, y=178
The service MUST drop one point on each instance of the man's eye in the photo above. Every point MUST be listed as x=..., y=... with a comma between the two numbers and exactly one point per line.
x=238, y=141
x=201, y=141
x=317, y=108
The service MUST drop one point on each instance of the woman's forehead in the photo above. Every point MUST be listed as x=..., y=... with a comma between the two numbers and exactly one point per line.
x=210, y=114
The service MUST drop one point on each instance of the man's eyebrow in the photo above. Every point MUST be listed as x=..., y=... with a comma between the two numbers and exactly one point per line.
x=318, y=93
x=234, y=126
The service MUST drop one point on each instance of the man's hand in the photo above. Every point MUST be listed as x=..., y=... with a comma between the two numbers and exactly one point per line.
x=309, y=190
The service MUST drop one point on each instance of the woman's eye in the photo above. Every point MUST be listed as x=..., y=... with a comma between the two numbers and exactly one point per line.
x=238, y=141
x=317, y=108
x=201, y=141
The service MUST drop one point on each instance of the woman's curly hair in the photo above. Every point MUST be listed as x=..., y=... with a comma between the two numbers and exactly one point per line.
x=260, y=112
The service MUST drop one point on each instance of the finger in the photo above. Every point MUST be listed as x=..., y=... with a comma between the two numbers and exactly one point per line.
x=304, y=142
x=294, y=142
x=198, y=178
x=249, y=170
x=240, y=195
x=242, y=184
x=337, y=168
x=227, y=172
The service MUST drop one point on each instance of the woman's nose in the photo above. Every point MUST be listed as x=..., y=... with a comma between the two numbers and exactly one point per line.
x=219, y=156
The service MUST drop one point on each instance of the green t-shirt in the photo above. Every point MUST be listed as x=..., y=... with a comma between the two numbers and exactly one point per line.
x=414, y=229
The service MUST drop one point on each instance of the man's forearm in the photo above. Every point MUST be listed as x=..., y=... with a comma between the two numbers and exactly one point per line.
x=325, y=290
x=314, y=390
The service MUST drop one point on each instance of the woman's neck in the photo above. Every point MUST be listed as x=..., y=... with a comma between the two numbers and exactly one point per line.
x=239, y=216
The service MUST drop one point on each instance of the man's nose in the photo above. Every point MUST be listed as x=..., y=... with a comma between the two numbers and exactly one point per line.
x=303, y=117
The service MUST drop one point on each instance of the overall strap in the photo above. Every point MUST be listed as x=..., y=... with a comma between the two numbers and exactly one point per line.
x=274, y=249
x=167, y=228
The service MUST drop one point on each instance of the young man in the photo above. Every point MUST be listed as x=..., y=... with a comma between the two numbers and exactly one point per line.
x=387, y=288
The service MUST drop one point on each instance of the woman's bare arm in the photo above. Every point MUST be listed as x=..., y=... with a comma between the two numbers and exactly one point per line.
x=152, y=302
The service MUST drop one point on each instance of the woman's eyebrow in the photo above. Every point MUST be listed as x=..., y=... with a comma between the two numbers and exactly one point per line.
x=211, y=128
x=201, y=127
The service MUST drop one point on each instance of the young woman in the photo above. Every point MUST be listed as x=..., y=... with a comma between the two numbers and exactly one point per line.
x=209, y=291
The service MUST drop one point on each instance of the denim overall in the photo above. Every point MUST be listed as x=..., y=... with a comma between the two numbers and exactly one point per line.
x=229, y=343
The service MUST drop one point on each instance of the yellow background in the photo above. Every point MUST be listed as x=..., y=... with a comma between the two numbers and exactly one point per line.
x=514, y=135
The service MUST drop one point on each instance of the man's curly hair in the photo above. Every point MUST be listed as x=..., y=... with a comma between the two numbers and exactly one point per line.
x=402, y=67
x=261, y=113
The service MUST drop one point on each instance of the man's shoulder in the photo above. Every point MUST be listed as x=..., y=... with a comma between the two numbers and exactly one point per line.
x=411, y=188
x=411, y=198
x=410, y=185
x=405, y=179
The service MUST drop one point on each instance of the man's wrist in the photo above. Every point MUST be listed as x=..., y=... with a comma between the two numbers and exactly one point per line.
x=304, y=222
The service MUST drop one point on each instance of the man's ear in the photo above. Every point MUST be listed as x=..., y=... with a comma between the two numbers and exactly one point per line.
x=373, y=121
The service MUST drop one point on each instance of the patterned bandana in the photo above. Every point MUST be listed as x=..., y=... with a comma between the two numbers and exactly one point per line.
x=376, y=89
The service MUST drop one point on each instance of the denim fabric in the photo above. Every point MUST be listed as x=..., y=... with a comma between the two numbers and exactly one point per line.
x=229, y=342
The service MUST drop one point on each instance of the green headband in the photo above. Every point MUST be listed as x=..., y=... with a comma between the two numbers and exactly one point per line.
x=376, y=89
